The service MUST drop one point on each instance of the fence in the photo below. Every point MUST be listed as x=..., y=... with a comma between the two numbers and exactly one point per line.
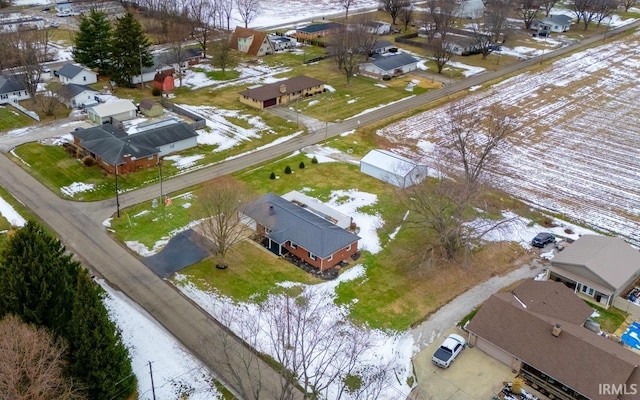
x=626, y=306
x=25, y=111
x=198, y=121
x=406, y=39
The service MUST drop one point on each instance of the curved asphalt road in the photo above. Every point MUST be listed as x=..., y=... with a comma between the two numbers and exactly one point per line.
x=79, y=226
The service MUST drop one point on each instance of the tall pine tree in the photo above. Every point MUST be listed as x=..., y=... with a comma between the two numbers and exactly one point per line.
x=130, y=50
x=93, y=41
x=97, y=355
x=37, y=278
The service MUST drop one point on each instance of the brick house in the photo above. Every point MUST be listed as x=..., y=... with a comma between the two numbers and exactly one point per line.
x=287, y=227
x=315, y=31
x=282, y=92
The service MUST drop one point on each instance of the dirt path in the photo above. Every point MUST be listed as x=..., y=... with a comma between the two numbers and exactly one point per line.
x=454, y=311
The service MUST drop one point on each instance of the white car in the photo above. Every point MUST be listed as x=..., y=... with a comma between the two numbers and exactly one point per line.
x=448, y=350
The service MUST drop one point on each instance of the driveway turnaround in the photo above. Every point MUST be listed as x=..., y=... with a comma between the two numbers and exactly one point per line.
x=184, y=249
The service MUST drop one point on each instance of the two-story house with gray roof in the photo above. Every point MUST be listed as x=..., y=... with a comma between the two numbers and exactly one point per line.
x=12, y=89
x=288, y=227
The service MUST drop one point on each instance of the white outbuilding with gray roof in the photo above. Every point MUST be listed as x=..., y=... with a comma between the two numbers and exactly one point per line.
x=393, y=168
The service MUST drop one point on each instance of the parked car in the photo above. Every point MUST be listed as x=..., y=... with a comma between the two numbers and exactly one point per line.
x=448, y=351
x=542, y=239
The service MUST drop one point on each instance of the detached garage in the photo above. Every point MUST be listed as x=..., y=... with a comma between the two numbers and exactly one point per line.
x=393, y=168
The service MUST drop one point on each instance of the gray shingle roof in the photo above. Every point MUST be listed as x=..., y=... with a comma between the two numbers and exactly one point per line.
x=391, y=62
x=610, y=258
x=10, y=83
x=272, y=90
x=72, y=90
x=381, y=44
x=70, y=70
x=320, y=27
x=290, y=222
x=112, y=144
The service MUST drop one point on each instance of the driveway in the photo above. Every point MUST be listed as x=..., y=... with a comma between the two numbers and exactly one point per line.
x=34, y=133
x=184, y=249
x=474, y=375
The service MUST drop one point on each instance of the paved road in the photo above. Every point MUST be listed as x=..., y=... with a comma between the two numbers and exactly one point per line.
x=78, y=226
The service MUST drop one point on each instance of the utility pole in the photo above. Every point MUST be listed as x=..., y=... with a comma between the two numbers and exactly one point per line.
x=153, y=389
x=117, y=198
x=141, y=79
x=160, y=176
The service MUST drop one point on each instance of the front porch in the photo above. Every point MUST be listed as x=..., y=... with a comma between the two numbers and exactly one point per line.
x=585, y=292
x=548, y=386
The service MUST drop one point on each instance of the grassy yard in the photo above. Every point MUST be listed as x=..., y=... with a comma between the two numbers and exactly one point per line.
x=609, y=319
x=10, y=118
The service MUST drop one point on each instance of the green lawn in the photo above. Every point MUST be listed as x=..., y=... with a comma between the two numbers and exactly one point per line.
x=10, y=118
x=610, y=319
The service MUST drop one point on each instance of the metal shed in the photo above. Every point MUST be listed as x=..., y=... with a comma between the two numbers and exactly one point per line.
x=393, y=168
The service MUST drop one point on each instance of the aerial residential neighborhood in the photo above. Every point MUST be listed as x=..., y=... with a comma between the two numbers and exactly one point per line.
x=319, y=200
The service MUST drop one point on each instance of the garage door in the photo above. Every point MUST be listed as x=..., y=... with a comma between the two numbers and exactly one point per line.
x=494, y=351
x=269, y=103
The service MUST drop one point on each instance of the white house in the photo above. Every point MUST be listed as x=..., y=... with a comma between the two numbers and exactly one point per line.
x=381, y=47
x=75, y=73
x=21, y=23
x=554, y=23
x=393, y=168
x=282, y=42
x=121, y=110
x=12, y=89
x=377, y=27
x=390, y=64
x=73, y=95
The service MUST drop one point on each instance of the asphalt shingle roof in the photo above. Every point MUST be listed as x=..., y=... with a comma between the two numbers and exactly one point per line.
x=315, y=28
x=272, y=90
x=391, y=62
x=71, y=90
x=9, y=83
x=70, y=70
x=290, y=222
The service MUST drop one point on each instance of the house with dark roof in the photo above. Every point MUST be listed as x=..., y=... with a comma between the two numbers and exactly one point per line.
x=538, y=330
x=120, y=110
x=381, y=47
x=150, y=108
x=388, y=64
x=288, y=227
x=599, y=268
x=251, y=41
x=12, y=89
x=554, y=23
x=112, y=148
x=315, y=31
x=280, y=93
x=76, y=96
x=280, y=42
x=75, y=73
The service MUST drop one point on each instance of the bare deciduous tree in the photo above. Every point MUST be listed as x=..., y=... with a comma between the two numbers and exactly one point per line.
x=201, y=12
x=472, y=144
x=439, y=18
x=218, y=204
x=32, y=366
x=223, y=56
x=528, y=11
x=586, y=11
x=482, y=40
x=441, y=54
x=627, y=4
x=346, y=4
x=547, y=5
x=248, y=10
x=496, y=20
x=226, y=10
x=47, y=101
x=406, y=14
x=393, y=7
x=350, y=46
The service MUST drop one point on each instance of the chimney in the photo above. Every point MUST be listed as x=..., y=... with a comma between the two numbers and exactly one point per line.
x=271, y=210
x=283, y=88
x=555, y=331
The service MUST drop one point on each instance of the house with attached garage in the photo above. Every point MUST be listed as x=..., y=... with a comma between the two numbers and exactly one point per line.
x=12, y=89
x=288, y=227
x=280, y=93
x=598, y=268
x=393, y=168
x=553, y=23
x=315, y=31
x=251, y=41
x=75, y=73
x=381, y=47
x=281, y=43
x=119, y=110
x=538, y=330
x=76, y=96
x=388, y=64
x=113, y=148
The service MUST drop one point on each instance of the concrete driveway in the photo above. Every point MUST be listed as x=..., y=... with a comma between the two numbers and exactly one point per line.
x=473, y=375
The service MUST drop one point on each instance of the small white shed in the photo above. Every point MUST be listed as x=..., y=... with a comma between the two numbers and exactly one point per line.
x=122, y=110
x=393, y=168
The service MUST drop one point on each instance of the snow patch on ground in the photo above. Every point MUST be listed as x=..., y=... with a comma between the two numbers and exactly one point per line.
x=77, y=187
x=10, y=214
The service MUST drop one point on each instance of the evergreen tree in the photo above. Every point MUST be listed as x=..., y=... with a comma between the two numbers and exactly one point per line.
x=37, y=278
x=93, y=41
x=97, y=355
x=129, y=49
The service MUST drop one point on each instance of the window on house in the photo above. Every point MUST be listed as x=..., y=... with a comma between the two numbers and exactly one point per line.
x=294, y=246
x=150, y=158
x=348, y=247
x=312, y=256
x=330, y=258
x=84, y=78
x=587, y=290
x=267, y=231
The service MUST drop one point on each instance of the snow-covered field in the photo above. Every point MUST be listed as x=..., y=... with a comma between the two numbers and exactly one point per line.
x=576, y=151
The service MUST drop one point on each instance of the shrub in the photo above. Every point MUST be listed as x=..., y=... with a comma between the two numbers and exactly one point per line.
x=156, y=92
x=301, y=166
x=88, y=161
x=386, y=77
x=272, y=176
x=314, y=160
x=287, y=170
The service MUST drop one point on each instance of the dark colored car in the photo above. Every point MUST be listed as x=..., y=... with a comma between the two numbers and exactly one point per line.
x=542, y=239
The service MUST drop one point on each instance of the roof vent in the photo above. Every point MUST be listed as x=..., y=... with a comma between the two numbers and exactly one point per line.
x=555, y=331
x=271, y=210
x=283, y=88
